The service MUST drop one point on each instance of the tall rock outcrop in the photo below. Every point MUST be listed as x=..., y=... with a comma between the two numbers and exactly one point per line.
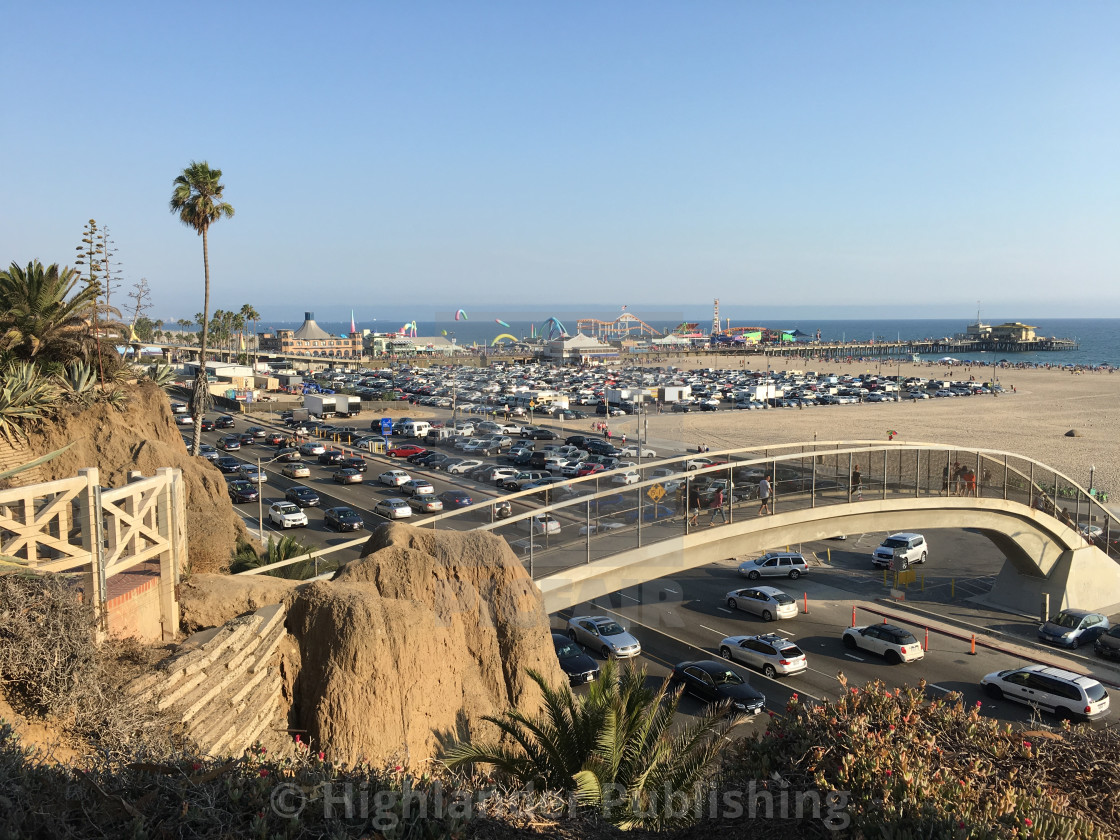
x=409, y=646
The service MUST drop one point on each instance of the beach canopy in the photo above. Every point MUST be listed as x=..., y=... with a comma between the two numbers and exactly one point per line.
x=948, y=359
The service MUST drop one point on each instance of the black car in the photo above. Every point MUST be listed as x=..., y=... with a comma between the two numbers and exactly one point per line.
x=206, y=424
x=228, y=464
x=243, y=491
x=419, y=456
x=539, y=434
x=579, y=667
x=1108, y=644
x=578, y=441
x=343, y=519
x=454, y=499
x=332, y=457
x=355, y=463
x=246, y=439
x=602, y=447
x=224, y=422
x=302, y=496
x=715, y=682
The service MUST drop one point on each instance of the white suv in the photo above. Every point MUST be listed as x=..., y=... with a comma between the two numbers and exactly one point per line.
x=769, y=653
x=899, y=551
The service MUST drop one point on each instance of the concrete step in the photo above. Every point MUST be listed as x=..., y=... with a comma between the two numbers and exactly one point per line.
x=267, y=647
x=166, y=681
x=259, y=708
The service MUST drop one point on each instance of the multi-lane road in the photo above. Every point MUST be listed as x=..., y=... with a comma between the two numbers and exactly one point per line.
x=686, y=617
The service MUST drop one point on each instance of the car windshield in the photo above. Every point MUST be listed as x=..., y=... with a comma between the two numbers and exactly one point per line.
x=1064, y=619
x=287, y=508
x=611, y=628
x=567, y=651
x=893, y=543
x=727, y=678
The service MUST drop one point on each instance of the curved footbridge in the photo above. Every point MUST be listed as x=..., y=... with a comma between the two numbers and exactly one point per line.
x=628, y=535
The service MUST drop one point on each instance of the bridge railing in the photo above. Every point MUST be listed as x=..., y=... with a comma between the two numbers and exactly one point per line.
x=592, y=518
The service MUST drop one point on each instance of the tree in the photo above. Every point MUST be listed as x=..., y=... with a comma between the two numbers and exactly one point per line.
x=620, y=734
x=197, y=199
x=141, y=326
x=39, y=319
x=248, y=313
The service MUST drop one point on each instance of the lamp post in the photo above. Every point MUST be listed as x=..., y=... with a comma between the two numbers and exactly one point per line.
x=260, y=495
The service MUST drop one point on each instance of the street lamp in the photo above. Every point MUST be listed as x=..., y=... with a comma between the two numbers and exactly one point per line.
x=260, y=495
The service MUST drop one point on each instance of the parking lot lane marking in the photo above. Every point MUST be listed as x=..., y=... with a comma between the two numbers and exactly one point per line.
x=719, y=633
x=784, y=632
x=939, y=688
x=631, y=597
x=724, y=609
x=674, y=591
x=853, y=656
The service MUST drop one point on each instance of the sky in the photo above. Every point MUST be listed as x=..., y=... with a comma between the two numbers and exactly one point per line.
x=921, y=160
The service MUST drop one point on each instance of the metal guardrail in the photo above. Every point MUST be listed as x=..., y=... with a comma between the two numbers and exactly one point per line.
x=594, y=518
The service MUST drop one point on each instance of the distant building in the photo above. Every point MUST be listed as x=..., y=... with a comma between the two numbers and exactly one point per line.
x=399, y=345
x=978, y=331
x=1014, y=331
x=580, y=349
x=311, y=340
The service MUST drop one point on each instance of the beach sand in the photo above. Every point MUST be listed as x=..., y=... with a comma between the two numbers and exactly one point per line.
x=1032, y=421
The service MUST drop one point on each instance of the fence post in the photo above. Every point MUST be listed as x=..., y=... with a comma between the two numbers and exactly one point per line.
x=813, y=486
x=1030, y=488
x=851, y=462
x=168, y=558
x=89, y=513
x=917, y=473
x=588, y=529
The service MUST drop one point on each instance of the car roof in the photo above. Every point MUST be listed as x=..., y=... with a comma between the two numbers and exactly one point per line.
x=712, y=666
x=1060, y=673
x=1076, y=611
x=904, y=535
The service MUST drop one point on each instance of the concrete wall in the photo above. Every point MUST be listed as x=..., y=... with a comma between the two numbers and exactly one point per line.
x=136, y=613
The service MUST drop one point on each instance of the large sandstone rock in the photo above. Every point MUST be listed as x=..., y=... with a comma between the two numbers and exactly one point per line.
x=409, y=646
x=212, y=600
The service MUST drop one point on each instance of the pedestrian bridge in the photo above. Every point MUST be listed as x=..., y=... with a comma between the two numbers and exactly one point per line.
x=599, y=537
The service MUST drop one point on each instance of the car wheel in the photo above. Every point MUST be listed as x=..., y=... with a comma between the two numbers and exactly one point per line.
x=893, y=658
x=605, y=651
x=753, y=574
x=1063, y=713
x=767, y=616
x=794, y=574
x=769, y=671
x=849, y=642
x=732, y=603
x=923, y=558
x=994, y=691
x=572, y=636
x=725, y=652
x=1075, y=643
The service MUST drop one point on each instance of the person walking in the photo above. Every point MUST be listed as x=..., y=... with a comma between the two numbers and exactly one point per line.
x=857, y=485
x=764, y=496
x=944, y=481
x=693, y=506
x=958, y=479
x=717, y=507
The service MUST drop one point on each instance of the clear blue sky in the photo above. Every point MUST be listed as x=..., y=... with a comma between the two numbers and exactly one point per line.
x=443, y=154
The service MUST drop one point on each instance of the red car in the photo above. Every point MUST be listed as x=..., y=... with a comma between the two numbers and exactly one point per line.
x=589, y=469
x=405, y=450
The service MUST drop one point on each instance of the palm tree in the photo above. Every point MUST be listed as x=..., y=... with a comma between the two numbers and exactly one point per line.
x=37, y=320
x=248, y=313
x=619, y=735
x=197, y=199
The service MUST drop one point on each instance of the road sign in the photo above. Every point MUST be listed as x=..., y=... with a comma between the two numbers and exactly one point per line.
x=386, y=425
x=656, y=492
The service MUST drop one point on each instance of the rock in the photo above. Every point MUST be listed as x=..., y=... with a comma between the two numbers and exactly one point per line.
x=1073, y=433
x=212, y=600
x=409, y=646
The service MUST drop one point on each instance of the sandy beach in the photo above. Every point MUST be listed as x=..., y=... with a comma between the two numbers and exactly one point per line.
x=1032, y=420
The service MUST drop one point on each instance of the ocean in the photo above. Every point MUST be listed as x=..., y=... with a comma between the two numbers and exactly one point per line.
x=1098, y=338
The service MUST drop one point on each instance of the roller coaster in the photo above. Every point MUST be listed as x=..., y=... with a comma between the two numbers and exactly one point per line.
x=622, y=327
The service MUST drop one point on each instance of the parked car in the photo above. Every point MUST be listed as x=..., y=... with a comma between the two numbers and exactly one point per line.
x=631, y=451
x=296, y=470
x=900, y=550
x=1073, y=628
x=768, y=652
x=713, y=682
x=347, y=475
x=242, y=491
x=463, y=467
x=775, y=564
x=543, y=523
x=393, y=509
x=394, y=478
x=603, y=635
x=302, y=496
x=1108, y=644
x=455, y=499
x=343, y=519
x=404, y=450
x=894, y=644
x=577, y=665
x=286, y=515
x=764, y=601
x=1055, y=690
x=425, y=504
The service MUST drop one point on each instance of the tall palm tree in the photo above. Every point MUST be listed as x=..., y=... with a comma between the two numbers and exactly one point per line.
x=248, y=313
x=619, y=734
x=197, y=199
x=38, y=318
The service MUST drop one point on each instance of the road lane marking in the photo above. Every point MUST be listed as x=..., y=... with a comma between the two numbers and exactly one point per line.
x=853, y=656
x=631, y=597
x=939, y=688
x=719, y=633
x=674, y=591
x=724, y=609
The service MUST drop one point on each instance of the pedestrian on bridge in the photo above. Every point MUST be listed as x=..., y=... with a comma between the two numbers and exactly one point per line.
x=857, y=485
x=717, y=507
x=764, y=496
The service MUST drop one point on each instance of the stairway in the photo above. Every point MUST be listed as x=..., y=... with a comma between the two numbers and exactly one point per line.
x=223, y=684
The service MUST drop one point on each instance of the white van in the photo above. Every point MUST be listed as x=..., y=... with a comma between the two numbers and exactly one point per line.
x=415, y=428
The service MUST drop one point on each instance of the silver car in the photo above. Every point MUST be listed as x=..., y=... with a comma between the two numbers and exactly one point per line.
x=603, y=635
x=769, y=653
x=775, y=564
x=764, y=601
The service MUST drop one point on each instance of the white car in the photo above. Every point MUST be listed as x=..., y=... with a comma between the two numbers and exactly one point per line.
x=892, y=643
x=544, y=524
x=253, y=473
x=296, y=471
x=597, y=527
x=184, y=420
x=286, y=515
x=394, y=478
x=425, y=504
x=311, y=448
x=393, y=509
x=769, y=653
x=629, y=477
x=463, y=467
x=631, y=451
x=502, y=473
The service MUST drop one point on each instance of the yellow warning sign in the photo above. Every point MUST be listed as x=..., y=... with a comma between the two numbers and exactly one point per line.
x=656, y=492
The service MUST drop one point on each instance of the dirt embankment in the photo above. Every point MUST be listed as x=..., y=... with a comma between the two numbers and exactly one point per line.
x=408, y=647
x=143, y=436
